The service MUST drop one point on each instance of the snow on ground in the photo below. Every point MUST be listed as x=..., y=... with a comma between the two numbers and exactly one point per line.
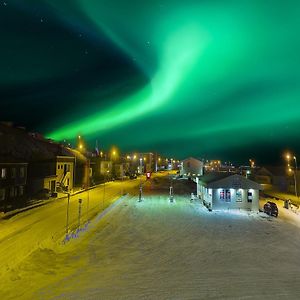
x=291, y=215
x=44, y=227
x=160, y=250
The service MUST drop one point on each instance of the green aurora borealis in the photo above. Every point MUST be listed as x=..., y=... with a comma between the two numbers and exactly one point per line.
x=202, y=78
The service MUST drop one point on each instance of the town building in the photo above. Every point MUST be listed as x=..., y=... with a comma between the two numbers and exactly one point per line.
x=220, y=191
x=13, y=179
x=55, y=175
x=191, y=168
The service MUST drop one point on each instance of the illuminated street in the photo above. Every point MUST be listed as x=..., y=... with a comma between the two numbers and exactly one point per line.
x=45, y=226
x=155, y=249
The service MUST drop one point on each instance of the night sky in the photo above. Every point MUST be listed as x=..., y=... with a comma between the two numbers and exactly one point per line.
x=216, y=79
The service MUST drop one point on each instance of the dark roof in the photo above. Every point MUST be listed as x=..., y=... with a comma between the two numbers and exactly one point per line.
x=274, y=170
x=228, y=180
x=214, y=176
x=19, y=145
x=189, y=158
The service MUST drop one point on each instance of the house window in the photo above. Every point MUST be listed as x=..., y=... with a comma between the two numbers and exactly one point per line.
x=2, y=194
x=239, y=196
x=250, y=196
x=12, y=192
x=3, y=173
x=22, y=172
x=222, y=195
x=228, y=196
x=13, y=172
x=21, y=190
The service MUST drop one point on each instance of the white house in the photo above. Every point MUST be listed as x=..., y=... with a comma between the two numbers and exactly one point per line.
x=228, y=191
x=191, y=167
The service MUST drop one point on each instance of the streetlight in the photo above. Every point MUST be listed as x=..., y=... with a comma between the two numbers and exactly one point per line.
x=140, y=190
x=171, y=191
x=288, y=157
x=67, y=221
x=295, y=176
x=79, y=212
x=141, y=160
x=103, y=198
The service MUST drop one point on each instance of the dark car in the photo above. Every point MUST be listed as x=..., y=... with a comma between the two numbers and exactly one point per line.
x=271, y=209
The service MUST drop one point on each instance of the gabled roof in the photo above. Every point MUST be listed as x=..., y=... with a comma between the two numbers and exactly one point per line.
x=227, y=180
x=19, y=145
x=192, y=158
x=272, y=171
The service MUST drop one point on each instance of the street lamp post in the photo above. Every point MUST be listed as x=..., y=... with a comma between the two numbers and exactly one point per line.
x=295, y=176
x=295, y=171
x=88, y=188
x=67, y=222
x=171, y=191
x=79, y=212
x=103, y=198
x=140, y=190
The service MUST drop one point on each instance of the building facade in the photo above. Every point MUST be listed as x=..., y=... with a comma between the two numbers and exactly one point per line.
x=13, y=180
x=220, y=191
x=191, y=167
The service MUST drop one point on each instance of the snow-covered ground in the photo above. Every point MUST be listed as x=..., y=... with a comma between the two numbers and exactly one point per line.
x=45, y=226
x=160, y=250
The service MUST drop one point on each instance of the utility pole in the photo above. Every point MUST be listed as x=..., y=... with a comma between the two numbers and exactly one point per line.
x=67, y=222
x=140, y=190
x=171, y=191
x=295, y=176
x=88, y=188
x=79, y=212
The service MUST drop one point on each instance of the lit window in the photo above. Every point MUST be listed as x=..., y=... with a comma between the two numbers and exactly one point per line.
x=3, y=173
x=239, y=196
x=228, y=196
x=222, y=195
x=250, y=196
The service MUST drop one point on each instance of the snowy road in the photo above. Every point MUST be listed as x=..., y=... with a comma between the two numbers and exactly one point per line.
x=45, y=226
x=158, y=250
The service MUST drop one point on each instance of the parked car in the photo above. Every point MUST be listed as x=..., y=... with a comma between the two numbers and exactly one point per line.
x=271, y=209
x=132, y=176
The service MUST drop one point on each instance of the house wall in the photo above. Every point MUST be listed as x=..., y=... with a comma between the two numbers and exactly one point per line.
x=191, y=167
x=238, y=199
x=13, y=183
x=205, y=195
x=65, y=173
x=105, y=167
